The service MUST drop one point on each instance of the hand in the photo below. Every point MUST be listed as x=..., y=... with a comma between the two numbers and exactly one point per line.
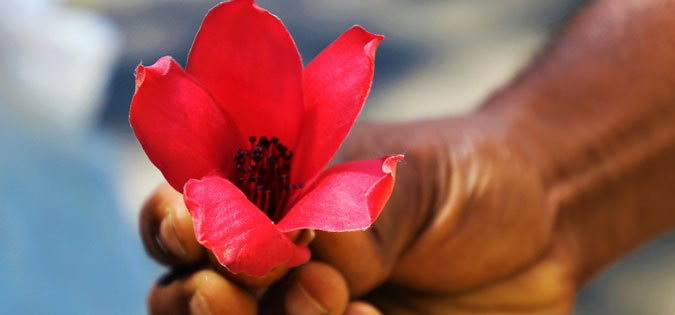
x=467, y=230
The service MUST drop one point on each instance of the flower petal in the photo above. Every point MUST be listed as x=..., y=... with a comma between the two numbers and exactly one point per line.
x=345, y=197
x=239, y=234
x=336, y=83
x=182, y=130
x=247, y=60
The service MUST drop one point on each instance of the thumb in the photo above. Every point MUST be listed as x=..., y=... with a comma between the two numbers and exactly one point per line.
x=366, y=258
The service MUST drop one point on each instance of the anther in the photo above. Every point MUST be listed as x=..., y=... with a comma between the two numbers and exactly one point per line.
x=263, y=173
x=264, y=142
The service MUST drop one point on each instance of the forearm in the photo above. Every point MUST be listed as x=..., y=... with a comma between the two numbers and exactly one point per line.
x=596, y=112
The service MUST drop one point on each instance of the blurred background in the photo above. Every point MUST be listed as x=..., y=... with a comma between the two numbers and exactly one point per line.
x=73, y=177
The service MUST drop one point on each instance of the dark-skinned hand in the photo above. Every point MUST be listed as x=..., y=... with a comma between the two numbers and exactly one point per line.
x=465, y=231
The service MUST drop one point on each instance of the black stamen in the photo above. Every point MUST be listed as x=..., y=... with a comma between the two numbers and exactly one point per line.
x=264, y=142
x=263, y=173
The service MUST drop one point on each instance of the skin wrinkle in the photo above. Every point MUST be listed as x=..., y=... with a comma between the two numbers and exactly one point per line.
x=636, y=138
x=620, y=153
x=425, y=304
x=456, y=208
x=550, y=258
x=601, y=180
x=433, y=200
x=420, y=301
x=410, y=163
x=452, y=185
x=176, y=234
x=418, y=162
x=444, y=295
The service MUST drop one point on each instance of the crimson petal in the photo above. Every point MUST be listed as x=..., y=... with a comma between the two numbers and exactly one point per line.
x=241, y=236
x=336, y=83
x=247, y=60
x=345, y=197
x=182, y=130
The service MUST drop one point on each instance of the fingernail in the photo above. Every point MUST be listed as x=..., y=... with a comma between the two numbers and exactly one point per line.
x=306, y=236
x=198, y=305
x=299, y=302
x=361, y=308
x=169, y=236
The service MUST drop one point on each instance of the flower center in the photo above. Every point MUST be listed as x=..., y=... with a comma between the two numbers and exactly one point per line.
x=262, y=173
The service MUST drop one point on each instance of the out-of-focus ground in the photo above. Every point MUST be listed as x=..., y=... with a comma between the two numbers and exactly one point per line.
x=74, y=181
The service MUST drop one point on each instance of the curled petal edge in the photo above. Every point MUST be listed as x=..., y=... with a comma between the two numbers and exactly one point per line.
x=181, y=129
x=336, y=83
x=346, y=197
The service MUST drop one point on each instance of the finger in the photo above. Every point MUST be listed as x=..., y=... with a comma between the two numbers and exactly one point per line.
x=167, y=230
x=316, y=288
x=357, y=255
x=202, y=292
x=361, y=308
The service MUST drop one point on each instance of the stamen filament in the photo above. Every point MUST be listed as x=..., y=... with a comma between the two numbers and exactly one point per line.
x=263, y=173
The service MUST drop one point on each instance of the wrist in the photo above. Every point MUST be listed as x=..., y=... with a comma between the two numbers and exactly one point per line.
x=606, y=176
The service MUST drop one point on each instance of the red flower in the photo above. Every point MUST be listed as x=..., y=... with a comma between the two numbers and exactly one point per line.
x=225, y=130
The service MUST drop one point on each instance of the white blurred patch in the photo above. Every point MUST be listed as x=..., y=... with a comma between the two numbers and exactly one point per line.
x=55, y=63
